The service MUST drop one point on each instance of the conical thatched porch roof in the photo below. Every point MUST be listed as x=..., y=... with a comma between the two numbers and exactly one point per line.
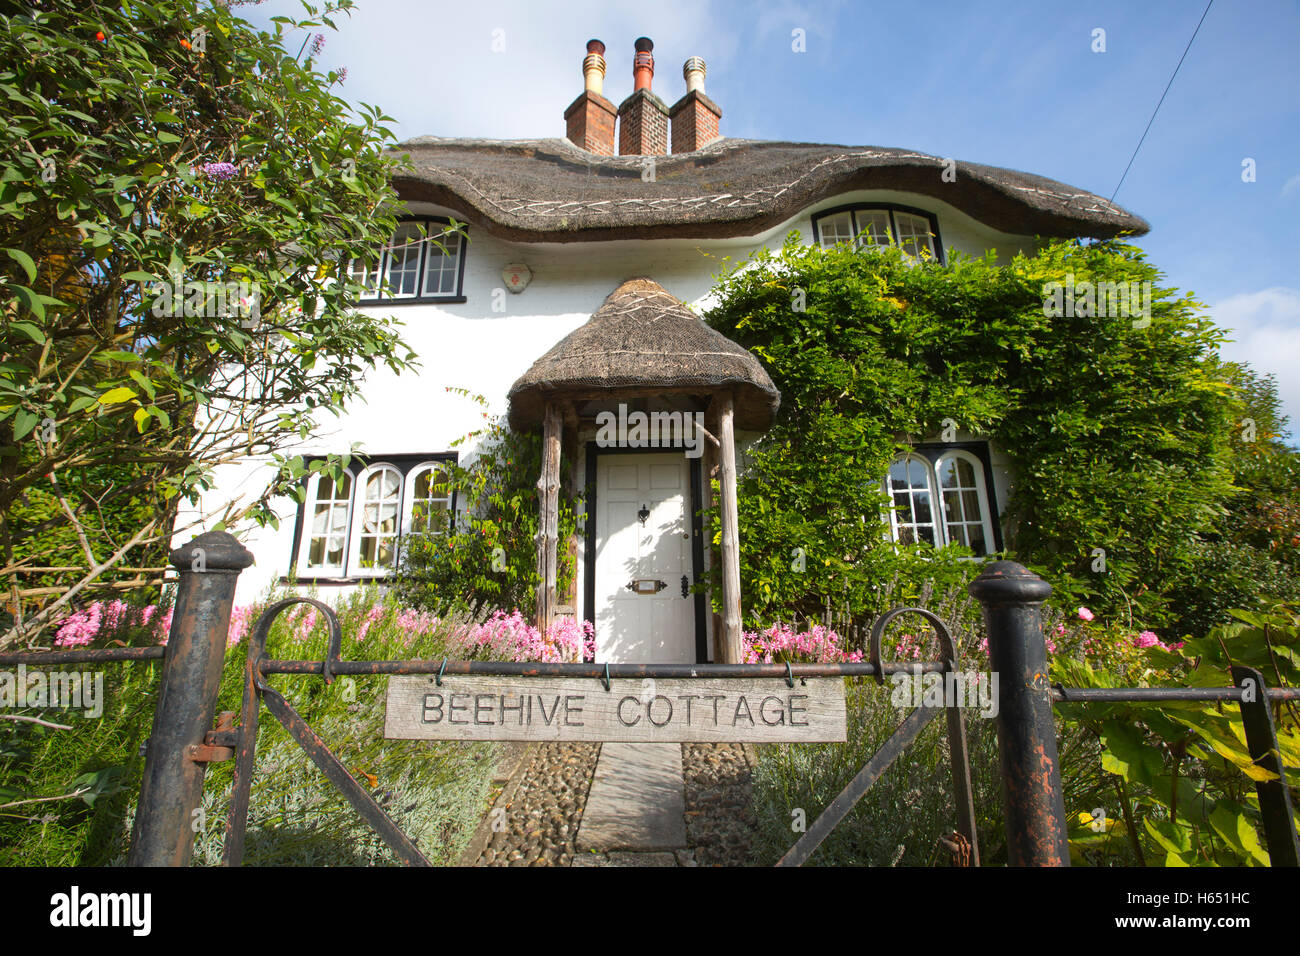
x=644, y=340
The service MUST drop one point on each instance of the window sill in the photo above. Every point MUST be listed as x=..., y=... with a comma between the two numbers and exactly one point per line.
x=432, y=300
x=336, y=581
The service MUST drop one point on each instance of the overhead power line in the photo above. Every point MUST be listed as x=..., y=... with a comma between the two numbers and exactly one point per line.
x=1162, y=100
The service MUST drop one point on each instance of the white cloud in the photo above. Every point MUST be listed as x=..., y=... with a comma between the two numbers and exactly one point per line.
x=432, y=67
x=1291, y=187
x=1266, y=328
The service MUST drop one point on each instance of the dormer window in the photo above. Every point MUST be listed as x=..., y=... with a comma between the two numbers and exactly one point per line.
x=420, y=264
x=915, y=231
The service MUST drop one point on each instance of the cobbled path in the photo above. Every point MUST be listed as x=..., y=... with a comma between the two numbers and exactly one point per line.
x=540, y=825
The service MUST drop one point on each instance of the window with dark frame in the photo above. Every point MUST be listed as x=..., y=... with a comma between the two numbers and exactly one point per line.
x=354, y=529
x=944, y=494
x=420, y=264
x=915, y=231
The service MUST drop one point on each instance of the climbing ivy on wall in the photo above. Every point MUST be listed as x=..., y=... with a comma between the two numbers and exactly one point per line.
x=485, y=555
x=1121, y=429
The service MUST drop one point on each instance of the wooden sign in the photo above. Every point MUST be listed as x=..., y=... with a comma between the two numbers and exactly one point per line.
x=631, y=711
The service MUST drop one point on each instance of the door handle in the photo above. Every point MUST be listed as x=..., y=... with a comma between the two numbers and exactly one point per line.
x=686, y=586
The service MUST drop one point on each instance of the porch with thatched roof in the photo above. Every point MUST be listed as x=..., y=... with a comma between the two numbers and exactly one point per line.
x=643, y=342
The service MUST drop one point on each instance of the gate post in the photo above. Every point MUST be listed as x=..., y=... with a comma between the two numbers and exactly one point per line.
x=187, y=696
x=1011, y=597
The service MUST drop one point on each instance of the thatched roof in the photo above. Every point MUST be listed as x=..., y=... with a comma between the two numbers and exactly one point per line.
x=644, y=340
x=550, y=190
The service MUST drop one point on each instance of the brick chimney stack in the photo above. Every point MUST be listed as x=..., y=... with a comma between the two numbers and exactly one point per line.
x=643, y=117
x=590, y=118
x=695, y=117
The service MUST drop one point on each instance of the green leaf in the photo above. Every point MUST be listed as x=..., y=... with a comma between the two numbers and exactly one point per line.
x=24, y=260
x=24, y=422
x=115, y=396
x=30, y=299
x=31, y=330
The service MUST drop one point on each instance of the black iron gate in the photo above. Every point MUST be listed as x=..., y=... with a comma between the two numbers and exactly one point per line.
x=183, y=741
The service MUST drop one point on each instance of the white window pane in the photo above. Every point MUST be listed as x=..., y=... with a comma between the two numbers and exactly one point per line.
x=402, y=261
x=873, y=227
x=836, y=228
x=441, y=264
x=327, y=536
x=914, y=234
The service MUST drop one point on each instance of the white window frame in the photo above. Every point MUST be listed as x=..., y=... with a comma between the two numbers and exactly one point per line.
x=939, y=537
x=977, y=468
x=860, y=213
x=409, y=499
x=309, y=513
x=938, y=507
x=358, y=522
x=375, y=276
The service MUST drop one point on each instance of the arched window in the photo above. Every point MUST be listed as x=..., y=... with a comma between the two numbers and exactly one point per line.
x=375, y=525
x=912, y=489
x=942, y=502
x=966, y=518
x=428, y=499
x=328, y=508
x=354, y=528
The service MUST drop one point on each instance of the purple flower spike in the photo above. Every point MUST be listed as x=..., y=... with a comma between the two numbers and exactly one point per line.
x=318, y=44
x=220, y=171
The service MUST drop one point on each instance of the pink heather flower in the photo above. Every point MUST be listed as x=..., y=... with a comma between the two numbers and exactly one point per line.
x=343, y=73
x=303, y=629
x=219, y=171
x=81, y=628
x=165, y=626
x=1085, y=614
x=318, y=44
x=372, y=617
x=1060, y=629
x=241, y=618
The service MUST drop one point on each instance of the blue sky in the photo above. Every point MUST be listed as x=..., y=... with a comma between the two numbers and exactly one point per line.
x=1013, y=84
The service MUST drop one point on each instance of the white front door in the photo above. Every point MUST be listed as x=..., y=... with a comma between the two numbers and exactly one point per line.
x=643, y=538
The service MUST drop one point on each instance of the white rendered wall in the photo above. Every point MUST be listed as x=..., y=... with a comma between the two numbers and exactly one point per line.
x=469, y=345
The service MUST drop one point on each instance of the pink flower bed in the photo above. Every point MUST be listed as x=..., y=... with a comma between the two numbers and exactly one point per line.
x=780, y=643
x=107, y=617
x=509, y=637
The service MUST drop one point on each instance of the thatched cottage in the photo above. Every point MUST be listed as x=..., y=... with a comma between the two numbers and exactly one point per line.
x=568, y=308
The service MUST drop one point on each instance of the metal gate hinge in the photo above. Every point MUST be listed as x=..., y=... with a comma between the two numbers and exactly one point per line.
x=218, y=744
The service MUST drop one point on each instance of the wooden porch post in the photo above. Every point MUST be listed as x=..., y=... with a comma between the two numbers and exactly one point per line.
x=548, y=520
x=729, y=645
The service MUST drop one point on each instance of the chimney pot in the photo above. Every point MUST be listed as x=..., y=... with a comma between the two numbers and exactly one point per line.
x=695, y=118
x=593, y=67
x=643, y=64
x=693, y=72
x=590, y=119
